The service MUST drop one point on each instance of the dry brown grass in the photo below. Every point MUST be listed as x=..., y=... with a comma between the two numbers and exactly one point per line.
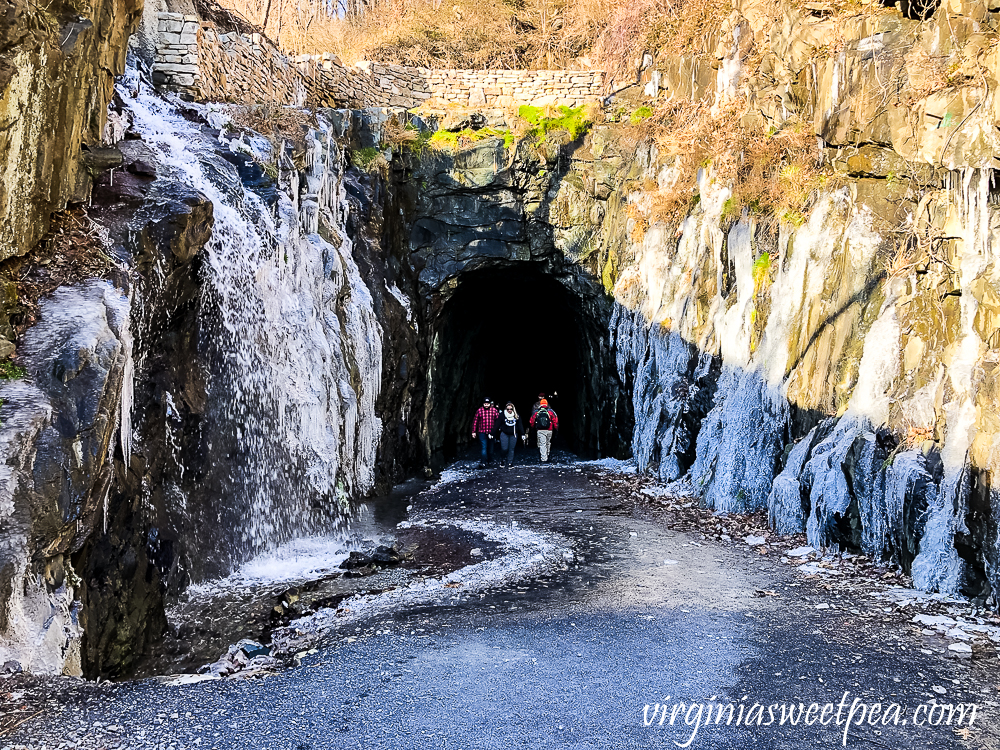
x=273, y=120
x=900, y=255
x=397, y=135
x=928, y=74
x=278, y=123
x=462, y=34
x=73, y=251
x=639, y=223
x=917, y=435
x=612, y=35
x=662, y=28
x=771, y=174
x=515, y=34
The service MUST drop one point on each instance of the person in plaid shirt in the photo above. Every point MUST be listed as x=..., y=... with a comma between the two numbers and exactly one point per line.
x=483, y=427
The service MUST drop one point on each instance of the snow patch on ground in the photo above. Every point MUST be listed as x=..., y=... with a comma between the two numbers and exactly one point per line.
x=682, y=489
x=307, y=558
x=903, y=596
x=525, y=554
x=612, y=465
x=963, y=622
x=458, y=472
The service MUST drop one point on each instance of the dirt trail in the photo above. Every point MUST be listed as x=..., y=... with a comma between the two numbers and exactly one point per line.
x=642, y=614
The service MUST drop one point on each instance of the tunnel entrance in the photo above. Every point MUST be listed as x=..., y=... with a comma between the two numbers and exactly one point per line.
x=514, y=331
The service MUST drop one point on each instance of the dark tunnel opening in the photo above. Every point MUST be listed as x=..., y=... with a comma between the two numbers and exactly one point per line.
x=512, y=332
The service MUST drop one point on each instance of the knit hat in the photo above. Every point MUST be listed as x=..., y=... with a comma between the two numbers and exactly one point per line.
x=543, y=402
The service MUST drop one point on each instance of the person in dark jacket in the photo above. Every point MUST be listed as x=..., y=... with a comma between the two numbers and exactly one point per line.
x=483, y=427
x=510, y=430
x=544, y=421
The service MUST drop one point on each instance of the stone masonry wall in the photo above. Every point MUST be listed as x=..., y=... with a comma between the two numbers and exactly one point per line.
x=372, y=84
x=196, y=59
x=504, y=88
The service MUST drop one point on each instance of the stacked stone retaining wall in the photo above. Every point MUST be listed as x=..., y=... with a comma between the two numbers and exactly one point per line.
x=198, y=60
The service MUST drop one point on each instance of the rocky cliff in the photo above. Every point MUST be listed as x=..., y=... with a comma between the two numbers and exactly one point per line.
x=820, y=346
x=57, y=71
x=854, y=330
x=766, y=272
x=58, y=441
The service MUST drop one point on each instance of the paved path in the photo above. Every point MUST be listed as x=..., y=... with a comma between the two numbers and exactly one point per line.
x=568, y=660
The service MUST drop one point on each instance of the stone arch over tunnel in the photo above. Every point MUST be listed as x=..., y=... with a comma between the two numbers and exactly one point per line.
x=513, y=329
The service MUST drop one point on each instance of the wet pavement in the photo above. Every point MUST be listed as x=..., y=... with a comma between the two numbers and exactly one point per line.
x=642, y=615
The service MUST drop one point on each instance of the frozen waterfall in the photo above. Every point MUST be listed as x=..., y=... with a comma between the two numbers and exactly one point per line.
x=288, y=330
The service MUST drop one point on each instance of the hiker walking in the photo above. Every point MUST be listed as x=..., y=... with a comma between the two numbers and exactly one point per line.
x=534, y=408
x=510, y=430
x=544, y=420
x=483, y=427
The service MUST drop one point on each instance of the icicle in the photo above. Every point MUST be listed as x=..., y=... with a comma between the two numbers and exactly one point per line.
x=290, y=328
x=938, y=566
x=128, y=391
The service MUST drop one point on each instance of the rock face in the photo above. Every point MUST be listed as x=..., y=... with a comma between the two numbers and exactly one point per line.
x=504, y=240
x=57, y=68
x=290, y=333
x=58, y=439
x=161, y=226
x=854, y=366
x=376, y=222
x=160, y=427
x=816, y=366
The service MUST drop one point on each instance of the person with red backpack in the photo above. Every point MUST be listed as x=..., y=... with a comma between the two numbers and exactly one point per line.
x=483, y=427
x=544, y=421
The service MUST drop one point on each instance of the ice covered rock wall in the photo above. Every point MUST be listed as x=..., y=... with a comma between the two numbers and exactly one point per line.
x=218, y=401
x=856, y=349
x=855, y=401
x=288, y=337
x=864, y=413
x=57, y=439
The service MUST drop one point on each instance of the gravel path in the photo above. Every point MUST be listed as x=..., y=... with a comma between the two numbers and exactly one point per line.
x=643, y=615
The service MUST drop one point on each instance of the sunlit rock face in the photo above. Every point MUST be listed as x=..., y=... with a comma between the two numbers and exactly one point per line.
x=855, y=409
x=855, y=399
x=57, y=68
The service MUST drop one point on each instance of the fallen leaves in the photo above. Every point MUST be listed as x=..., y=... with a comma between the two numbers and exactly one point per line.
x=872, y=594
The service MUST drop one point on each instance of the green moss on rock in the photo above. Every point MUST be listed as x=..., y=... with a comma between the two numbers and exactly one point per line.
x=570, y=119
